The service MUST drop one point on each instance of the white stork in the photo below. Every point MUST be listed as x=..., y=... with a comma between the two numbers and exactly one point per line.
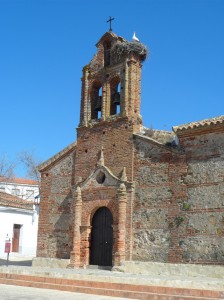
x=134, y=38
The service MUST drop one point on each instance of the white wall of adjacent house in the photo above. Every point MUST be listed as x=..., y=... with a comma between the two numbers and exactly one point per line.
x=23, y=191
x=21, y=227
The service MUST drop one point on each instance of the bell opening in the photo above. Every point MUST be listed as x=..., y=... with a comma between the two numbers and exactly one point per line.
x=96, y=101
x=115, y=97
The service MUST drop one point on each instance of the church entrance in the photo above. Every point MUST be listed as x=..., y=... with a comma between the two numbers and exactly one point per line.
x=101, y=238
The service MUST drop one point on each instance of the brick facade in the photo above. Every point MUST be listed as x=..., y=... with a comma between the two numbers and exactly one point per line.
x=166, y=198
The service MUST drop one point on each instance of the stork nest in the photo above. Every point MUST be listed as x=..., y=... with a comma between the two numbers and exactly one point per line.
x=126, y=48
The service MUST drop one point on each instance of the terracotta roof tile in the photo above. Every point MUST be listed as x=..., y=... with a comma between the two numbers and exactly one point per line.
x=198, y=124
x=19, y=181
x=9, y=200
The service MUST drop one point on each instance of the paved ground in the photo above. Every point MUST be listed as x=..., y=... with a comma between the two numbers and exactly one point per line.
x=13, y=292
x=16, y=262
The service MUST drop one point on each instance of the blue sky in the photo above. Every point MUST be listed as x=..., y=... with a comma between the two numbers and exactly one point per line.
x=44, y=45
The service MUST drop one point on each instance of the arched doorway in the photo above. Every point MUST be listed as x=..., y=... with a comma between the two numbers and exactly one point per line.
x=101, y=238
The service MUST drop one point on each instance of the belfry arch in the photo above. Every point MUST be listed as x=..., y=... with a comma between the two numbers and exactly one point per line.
x=115, y=96
x=96, y=100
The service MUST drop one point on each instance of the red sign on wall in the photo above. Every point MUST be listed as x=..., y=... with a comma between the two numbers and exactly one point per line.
x=7, y=246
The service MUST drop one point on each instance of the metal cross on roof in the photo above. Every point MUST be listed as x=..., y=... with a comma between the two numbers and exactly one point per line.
x=110, y=20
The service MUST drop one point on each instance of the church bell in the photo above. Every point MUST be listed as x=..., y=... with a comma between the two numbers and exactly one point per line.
x=98, y=104
x=116, y=98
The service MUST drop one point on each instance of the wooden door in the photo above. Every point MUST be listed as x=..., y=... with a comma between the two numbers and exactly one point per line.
x=101, y=238
x=15, y=239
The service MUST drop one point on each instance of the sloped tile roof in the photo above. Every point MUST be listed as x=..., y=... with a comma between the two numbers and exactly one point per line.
x=198, y=124
x=19, y=181
x=9, y=200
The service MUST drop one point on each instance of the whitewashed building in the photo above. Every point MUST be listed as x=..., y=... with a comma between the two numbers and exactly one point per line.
x=19, y=212
x=26, y=189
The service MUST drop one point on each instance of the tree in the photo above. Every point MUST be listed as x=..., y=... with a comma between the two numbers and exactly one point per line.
x=29, y=160
x=7, y=172
x=7, y=167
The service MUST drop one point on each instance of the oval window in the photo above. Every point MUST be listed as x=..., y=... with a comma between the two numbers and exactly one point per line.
x=100, y=178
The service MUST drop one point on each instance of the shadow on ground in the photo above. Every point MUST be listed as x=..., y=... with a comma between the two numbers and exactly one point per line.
x=26, y=263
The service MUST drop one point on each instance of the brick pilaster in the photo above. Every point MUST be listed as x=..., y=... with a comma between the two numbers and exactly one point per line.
x=75, y=254
x=84, y=113
x=121, y=230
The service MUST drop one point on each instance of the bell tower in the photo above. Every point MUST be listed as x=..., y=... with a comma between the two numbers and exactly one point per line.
x=111, y=82
x=104, y=155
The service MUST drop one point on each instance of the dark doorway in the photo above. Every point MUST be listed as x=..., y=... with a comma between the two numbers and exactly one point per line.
x=101, y=238
x=15, y=239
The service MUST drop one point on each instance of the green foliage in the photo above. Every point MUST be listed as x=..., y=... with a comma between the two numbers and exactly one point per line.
x=175, y=222
x=179, y=220
x=186, y=206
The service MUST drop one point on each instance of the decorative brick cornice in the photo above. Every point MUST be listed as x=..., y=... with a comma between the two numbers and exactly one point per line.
x=56, y=157
x=106, y=171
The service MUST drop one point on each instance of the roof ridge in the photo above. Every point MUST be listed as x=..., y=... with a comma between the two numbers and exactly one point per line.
x=201, y=123
x=19, y=180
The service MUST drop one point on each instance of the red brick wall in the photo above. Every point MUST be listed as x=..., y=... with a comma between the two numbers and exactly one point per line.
x=116, y=139
x=55, y=230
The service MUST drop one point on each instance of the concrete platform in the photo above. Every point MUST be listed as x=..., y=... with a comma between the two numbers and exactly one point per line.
x=117, y=284
x=168, y=269
x=205, y=282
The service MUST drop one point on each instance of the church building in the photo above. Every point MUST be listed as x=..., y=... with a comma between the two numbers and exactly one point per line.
x=123, y=192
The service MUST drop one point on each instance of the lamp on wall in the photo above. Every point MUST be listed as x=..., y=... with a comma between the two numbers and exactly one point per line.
x=35, y=208
x=37, y=200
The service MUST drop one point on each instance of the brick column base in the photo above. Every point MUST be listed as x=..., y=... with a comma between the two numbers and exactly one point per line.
x=74, y=262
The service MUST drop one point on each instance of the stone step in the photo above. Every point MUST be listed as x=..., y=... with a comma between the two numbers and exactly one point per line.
x=110, y=289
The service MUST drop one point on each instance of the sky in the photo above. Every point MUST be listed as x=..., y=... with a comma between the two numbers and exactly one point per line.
x=44, y=44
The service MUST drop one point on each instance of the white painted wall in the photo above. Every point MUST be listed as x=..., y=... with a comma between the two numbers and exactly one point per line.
x=28, y=233
x=22, y=189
